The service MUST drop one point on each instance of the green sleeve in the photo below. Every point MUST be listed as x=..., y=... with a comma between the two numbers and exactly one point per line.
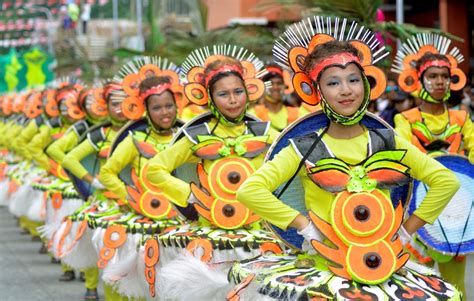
x=402, y=127
x=72, y=161
x=38, y=144
x=442, y=183
x=59, y=148
x=161, y=166
x=124, y=154
x=256, y=191
x=12, y=132
x=468, y=138
x=25, y=136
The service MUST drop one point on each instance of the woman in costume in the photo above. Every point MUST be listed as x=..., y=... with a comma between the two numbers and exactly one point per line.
x=153, y=88
x=226, y=146
x=429, y=70
x=10, y=129
x=26, y=200
x=72, y=241
x=62, y=110
x=347, y=167
x=63, y=199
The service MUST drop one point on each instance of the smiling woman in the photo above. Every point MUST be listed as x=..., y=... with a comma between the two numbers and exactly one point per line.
x=223, y=148
x=160, y=106
x=348, y=164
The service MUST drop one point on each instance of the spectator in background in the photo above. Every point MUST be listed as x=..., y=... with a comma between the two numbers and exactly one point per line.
x=390, y=92
x=85, y=16
x=65, y=19
x=73, y=13
x=400, y=102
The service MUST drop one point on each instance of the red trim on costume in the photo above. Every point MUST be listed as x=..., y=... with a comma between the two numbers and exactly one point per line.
x=434, y=63
x=157, y=90
x=223, y=69
x=337, y=59
x=276, y=70
x=111, y=87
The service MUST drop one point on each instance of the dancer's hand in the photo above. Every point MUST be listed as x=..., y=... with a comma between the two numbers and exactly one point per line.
x=405, y=237
x=310, y=233
x=192, y=199
x=97, y=184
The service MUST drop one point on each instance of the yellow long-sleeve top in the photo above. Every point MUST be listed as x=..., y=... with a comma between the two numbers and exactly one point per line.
x=36, y=146
x=126, y=153
x=12, y=129
x=279, y=120
x=59, y=148
x=161, y=166
x=72, y=161
x=25, y=137
x=256, y=192
x=437, y=124
x=3, y=123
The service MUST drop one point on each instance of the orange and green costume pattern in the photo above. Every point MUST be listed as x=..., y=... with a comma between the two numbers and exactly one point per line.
x=452, y=130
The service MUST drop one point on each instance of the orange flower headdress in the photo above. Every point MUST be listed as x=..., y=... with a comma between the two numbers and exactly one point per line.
x=300, y=39
x=196, y=62
x=33, y=106
x=7, y=104
x=416, y=47
x=251, y=70
x=92, y=101
x=18, y=103
x=67, y=97
x=133, y=73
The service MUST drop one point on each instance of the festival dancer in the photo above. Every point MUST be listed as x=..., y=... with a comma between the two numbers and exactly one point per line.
x=64, y=201
x=71, y=243
x=226, y=146
x=430, y=70
x=153, y=89
x=273, y=109
x=348, y=164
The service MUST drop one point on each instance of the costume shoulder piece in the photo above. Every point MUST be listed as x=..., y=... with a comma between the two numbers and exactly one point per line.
x=54, y=123
x=39, y=121
x=194, y=131
x=258, y=128
x=380, y=139
x=80, y=127
x=96, y=136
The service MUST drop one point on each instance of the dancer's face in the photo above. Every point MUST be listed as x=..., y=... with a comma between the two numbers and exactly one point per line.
x=436, y=81
x=162, y=110
x=343, y=89
x=276, y=90
x=115, y=110
x=230, y=96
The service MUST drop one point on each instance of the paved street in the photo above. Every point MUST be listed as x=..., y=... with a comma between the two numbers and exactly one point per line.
x=26, y=275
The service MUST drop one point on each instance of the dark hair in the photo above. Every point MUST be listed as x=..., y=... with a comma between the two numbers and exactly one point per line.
x=328, y=49
x=216, y=65
x=154, y=81
x=430, y=57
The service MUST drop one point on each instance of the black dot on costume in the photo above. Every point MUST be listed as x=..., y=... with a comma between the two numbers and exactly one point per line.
x=361, y=213
x=155, y=203
x=373, y=260
x=234, y=177
x=228, y=210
